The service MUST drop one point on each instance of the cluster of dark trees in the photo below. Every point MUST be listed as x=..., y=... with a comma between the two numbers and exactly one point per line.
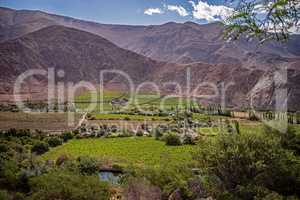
x=24, y=176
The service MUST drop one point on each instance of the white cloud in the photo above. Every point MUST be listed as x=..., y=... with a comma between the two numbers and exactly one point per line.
x=260, y=9
x=211, y=13
x=179, y=9
x=151, y=11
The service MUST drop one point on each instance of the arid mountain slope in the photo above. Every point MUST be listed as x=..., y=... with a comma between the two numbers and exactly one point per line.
x=199, y=48
x=79, y=54
x=82, y=55
x=172, y=42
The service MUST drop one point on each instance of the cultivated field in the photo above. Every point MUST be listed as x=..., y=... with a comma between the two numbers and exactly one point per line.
x=144, y=101
x=134, y=150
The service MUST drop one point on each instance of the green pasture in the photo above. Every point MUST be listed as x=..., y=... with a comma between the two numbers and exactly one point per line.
x=147, y=101
x=133, y=150
x=98, y=116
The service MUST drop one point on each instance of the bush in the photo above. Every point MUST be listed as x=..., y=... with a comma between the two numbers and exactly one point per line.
x=4, y=148
x=66, y=136
x=139, y=133
x=60, y=184
x=40, y=148
x=114, y=129
x=157, y=133
x=289, y=140
x=4, y=195
x=54, y=141
x=237, y=127
x=126, y=133
x=172, y=139
x=188, y=139
x=249, y=161
x=253, y=117
x=88, y=166
x=126, y=118
x=88, y=116
x=8, y=173
x=19, y=196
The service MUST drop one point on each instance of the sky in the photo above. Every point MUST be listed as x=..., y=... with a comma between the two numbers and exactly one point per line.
x=133, y=12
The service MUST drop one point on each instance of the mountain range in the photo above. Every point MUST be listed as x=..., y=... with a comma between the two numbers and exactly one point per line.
x=160, y=53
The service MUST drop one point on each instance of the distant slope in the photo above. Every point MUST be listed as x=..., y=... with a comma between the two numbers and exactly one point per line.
x=38, y=44
x=80, y=54
x=172, y=42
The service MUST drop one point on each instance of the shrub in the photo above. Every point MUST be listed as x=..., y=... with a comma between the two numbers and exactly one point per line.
x=101, y=132
x=4, y=148
x=40, y=148
x=79, y=137
x=126, y=133
x=249, y=161
x=188, y=139
x=76, y=132
x=157, y=133
x=172, y=139
x=88, y=166
x=19, y=196
x=61, y=184
x=237, y=127
x=67, y=136
x=289, y=140
x=253, y=117
x=54, y=141
x=127, y=118
x=228, y=126
x=8, y=173
x=139, y=133
x=4, y=195
x=114, y=128
x=88, y=116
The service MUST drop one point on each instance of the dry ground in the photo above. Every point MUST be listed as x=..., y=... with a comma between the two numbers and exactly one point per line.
x=49, y=122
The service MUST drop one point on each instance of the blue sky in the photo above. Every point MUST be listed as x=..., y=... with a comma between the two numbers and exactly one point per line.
x=128, y=11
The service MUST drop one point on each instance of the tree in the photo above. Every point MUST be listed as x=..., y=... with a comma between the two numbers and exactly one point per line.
x=172, y=139
x=54, y=141
x=67, y=136
x=244, y=165
x=40, y=148
x=60, y=184
x=88, y=166
x=264, y=19
x=4, y=195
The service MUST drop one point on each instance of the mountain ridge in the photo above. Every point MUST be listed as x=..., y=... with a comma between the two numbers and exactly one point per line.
x=200, y=48
x=170, y=42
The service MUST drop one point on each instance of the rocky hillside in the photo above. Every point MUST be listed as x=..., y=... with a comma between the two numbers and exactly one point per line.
x=173, y=42
x=37, y=40
x=79, y=54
